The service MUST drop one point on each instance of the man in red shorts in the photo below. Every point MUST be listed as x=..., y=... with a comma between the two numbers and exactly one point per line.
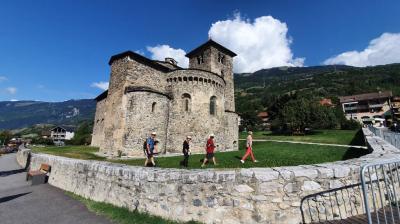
x=210, y=147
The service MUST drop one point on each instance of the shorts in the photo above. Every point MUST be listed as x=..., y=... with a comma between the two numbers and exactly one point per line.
x=150, y=155
x=210, y=155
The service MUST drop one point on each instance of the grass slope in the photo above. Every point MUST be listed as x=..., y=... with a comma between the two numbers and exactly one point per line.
x=269, y=154
x=121, y=215
x=341, y=137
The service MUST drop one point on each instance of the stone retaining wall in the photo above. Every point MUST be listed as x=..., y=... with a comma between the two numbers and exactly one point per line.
x=256, y=195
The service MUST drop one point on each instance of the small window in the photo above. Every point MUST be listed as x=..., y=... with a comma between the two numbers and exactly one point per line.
x=213, y=105
x=222, y=73
x=153, y=107
x=186, y=102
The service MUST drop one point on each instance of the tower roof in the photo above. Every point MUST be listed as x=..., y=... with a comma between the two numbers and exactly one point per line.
x=208, y=44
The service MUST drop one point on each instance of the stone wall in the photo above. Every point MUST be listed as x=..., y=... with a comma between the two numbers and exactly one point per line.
x=98, y=127
x=146, y=112
x=197, y=121
x=257, y=195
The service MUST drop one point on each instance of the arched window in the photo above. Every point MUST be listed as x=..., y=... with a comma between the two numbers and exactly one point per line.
x=186, y=102
x=213, y=105
x=153, y=107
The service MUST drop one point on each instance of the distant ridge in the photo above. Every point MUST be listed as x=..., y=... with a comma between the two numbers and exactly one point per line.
x=20, y=114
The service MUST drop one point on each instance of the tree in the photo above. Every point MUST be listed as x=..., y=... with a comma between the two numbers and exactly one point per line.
x=5, y=137
x=83, y=135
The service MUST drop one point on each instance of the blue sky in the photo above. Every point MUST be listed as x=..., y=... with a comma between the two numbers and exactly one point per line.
x=58, y=50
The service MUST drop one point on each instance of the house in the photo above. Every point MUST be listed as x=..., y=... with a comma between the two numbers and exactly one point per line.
x=396, y=108
x=368, y=108
x=264, y=117
x=60, y=134
x=326, y=102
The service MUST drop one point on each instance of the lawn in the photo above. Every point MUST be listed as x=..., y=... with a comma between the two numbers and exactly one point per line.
x=342, y=137
x=269, y=154
x=121, y=215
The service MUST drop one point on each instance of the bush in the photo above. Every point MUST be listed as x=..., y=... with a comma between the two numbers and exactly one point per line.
x=83, y=135
x=350, y=125
x=42, y=141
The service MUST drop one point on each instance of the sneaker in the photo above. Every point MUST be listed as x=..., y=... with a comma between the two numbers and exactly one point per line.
x=256, y=161
x=242, y=161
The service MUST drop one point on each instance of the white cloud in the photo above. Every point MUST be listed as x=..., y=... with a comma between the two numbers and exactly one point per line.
x=100, y=85
x=140, y=52
x=3, y=78
x=160, y=52
x=260, y=44
x=11, y=90
x=382, y=50
x=13, y=100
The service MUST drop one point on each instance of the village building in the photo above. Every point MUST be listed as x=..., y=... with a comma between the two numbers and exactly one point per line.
x=147, y=96
x=60, y=134
x=396, y=109
x=368, y=108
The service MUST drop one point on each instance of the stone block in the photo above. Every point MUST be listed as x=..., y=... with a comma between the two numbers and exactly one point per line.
x=310, y=186
x=243, y=188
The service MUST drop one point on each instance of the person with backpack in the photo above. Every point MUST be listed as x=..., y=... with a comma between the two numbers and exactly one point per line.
x=249, y=148
x=149, y=151
x=210, y=147
x=186, y=151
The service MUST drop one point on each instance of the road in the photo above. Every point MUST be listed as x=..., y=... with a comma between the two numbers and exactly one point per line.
x=21, y=203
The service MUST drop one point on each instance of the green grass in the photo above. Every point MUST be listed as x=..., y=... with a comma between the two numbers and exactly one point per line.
x=342, y=137
x=269, y=154
x=121, y=215
x=76, y=152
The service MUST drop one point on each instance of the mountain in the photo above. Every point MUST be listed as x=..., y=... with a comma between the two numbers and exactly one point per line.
x=21, y=114
x=254, y=92
x=257, y=91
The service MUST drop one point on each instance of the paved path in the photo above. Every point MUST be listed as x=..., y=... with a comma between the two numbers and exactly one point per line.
x=307, y=143
x=21, y=203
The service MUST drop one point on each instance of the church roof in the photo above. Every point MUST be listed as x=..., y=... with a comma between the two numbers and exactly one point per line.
x=102, y=96
x=139, y=58
x=208, y=44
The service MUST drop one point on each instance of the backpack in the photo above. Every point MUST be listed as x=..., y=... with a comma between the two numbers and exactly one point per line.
x=145, y=147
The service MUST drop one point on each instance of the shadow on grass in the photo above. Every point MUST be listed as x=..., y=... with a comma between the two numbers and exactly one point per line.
x=288, y=133
x=351, y=152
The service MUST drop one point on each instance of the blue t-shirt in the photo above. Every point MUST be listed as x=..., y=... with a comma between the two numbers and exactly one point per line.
x=150, y=142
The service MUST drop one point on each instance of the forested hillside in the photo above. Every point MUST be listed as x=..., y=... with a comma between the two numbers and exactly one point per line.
x=265, y=89
x=21, y=114
x=257, y=90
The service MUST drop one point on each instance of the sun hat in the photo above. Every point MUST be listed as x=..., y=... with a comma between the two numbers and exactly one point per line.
x=153, y=133
x=189, y=137
x=211, y=135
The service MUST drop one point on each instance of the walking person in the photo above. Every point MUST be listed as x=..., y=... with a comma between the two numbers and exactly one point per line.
x=186, y=151
x=150, y=146
x=210, y=147
x=249, y=148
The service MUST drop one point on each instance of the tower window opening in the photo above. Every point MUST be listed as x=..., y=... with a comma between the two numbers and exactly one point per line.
x=200, y=59
x=153, y=107
x=221, y=58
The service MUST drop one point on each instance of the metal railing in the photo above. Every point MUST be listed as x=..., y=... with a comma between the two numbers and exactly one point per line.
x=334, y=204
x=391, y=137
x=380, y=186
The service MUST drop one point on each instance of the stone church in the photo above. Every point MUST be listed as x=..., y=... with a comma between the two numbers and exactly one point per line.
x=148, y=95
